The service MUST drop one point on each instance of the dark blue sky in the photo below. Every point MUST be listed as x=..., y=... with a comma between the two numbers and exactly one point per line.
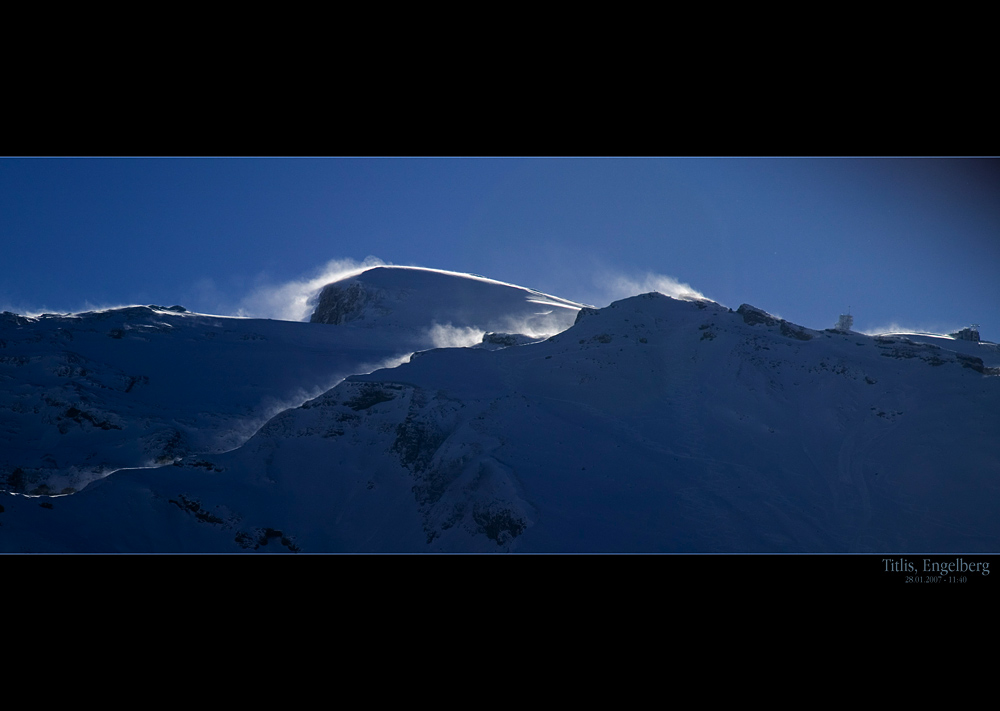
x=911, y=241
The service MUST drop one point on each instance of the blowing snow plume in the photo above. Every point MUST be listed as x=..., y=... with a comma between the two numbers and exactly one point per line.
x=448, y=336
x=293, y=301
x=618, y=286
x=895, y=327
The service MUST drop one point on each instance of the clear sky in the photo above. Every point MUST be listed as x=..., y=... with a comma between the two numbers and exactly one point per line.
x=907, y=241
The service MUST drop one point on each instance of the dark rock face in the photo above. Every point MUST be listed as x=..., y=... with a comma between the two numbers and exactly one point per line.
x=498, y=524
x=341, y=304
x=369, y=395
x=971, y=362
x=416, y=443
x=753, y=316
x=789, y=332
x=582, y=313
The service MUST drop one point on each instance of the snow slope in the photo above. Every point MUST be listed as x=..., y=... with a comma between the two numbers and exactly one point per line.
x=652, y=425
x=83, y=395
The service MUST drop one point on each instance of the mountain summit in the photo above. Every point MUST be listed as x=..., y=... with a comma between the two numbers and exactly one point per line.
x=408, y=298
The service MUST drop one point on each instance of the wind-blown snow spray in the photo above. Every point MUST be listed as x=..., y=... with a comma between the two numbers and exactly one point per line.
x=294, y=300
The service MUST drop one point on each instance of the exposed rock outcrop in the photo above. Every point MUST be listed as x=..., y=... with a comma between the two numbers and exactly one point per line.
x=753, y=316
x=339, y=304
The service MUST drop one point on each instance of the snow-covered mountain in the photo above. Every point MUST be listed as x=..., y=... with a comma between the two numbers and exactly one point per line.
x=650, y=425
x=82, y=395
x=404, y=299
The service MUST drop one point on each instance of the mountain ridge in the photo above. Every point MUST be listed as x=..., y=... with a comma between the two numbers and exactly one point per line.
x=650, y=425
x=88, y=393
